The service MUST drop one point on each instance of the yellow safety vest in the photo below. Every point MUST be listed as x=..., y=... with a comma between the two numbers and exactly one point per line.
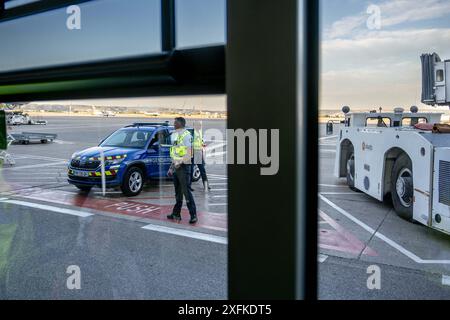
x=198, y=140
x=178, y=151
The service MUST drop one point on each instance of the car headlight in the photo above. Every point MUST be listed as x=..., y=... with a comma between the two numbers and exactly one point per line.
x=116, y=161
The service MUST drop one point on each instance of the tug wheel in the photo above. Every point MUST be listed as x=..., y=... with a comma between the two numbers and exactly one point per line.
x=402, y=187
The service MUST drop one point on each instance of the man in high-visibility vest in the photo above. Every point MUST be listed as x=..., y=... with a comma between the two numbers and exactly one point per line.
x=199, y=156
x=180, y=169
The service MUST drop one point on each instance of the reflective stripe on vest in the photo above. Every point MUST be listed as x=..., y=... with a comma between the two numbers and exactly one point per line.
x=198, y=140
x=178, y=150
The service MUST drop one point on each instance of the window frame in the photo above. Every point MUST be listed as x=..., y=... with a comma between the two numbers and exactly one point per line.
x=202, y=71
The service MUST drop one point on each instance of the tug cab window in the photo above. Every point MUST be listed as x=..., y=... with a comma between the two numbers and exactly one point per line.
x=412, y=121
x=378, y=122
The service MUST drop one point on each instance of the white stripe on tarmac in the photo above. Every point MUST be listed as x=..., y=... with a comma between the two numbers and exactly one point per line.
x=218, y=189
x=186, y=233
x=217, y=176
x=217, y=204
x=24, y=179
x=322, y=257
x=333, y=185
x=337, y=193
x=381, y=236
x=327, y=151
x=30, y=156
x=48, y=208
x=219, y=196
x=63, y=142
x=215, y=146
x=218, y=184
x=215, y=154
x=328, y=137
x=41, y=165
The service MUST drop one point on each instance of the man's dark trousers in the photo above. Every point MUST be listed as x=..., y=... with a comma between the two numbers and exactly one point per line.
x=181, y=179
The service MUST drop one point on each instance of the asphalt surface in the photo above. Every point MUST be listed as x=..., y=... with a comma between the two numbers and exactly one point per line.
x=125, y=248
x=357, y=232
x=117, y=257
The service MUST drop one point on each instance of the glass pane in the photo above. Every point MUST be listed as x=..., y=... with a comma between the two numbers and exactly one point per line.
x=383, y=225
x=63, y=237
x=108, y=29
x=200, y=22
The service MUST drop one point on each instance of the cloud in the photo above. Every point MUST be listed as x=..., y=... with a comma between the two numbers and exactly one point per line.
x=393, y=12
x=378, y=68
x=378, y=48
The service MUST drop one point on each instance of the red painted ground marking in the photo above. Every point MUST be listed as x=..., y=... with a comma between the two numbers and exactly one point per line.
x=340, y=239
x=128, y=207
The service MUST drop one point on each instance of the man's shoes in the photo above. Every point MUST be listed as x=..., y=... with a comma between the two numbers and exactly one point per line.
x=193, y=220
x=174, y=216
x=190, y=188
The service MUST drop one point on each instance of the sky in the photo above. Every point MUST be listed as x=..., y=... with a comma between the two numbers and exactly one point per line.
x=367, y=68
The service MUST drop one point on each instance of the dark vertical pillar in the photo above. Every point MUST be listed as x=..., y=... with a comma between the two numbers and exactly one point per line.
x=270, y=249
x=167, y=25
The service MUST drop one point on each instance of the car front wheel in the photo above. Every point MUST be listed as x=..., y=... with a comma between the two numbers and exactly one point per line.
x=133, y=182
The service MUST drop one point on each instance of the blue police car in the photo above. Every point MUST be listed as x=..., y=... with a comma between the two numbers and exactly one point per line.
x=133, y=155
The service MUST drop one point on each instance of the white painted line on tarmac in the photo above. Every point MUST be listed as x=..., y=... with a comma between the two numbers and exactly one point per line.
x=221, y=196
x=328, y=137
x=215, y=146
x=57, y=141
x=186, y=233
x=217, y=175
x=445, y=280
x=332, y=185
x=322, y=257
x=381, y=236
x=327, y=144
x=217, y=204
x=337, y=193
x=30, y=156
x=34, y=172
x=215, y=154
x=218, y=184
x=108, y=192
x=30, y=179
x=41, y=165
x=48, y=208
x=327, y=151
x=3, y=199
x=218, y=189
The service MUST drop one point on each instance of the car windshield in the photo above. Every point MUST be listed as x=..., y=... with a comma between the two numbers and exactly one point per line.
x=127, y=139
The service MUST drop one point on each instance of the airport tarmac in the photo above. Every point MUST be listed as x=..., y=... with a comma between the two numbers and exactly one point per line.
x=355, y=231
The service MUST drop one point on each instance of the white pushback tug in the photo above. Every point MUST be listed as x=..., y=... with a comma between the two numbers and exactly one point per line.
x=404, y=155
